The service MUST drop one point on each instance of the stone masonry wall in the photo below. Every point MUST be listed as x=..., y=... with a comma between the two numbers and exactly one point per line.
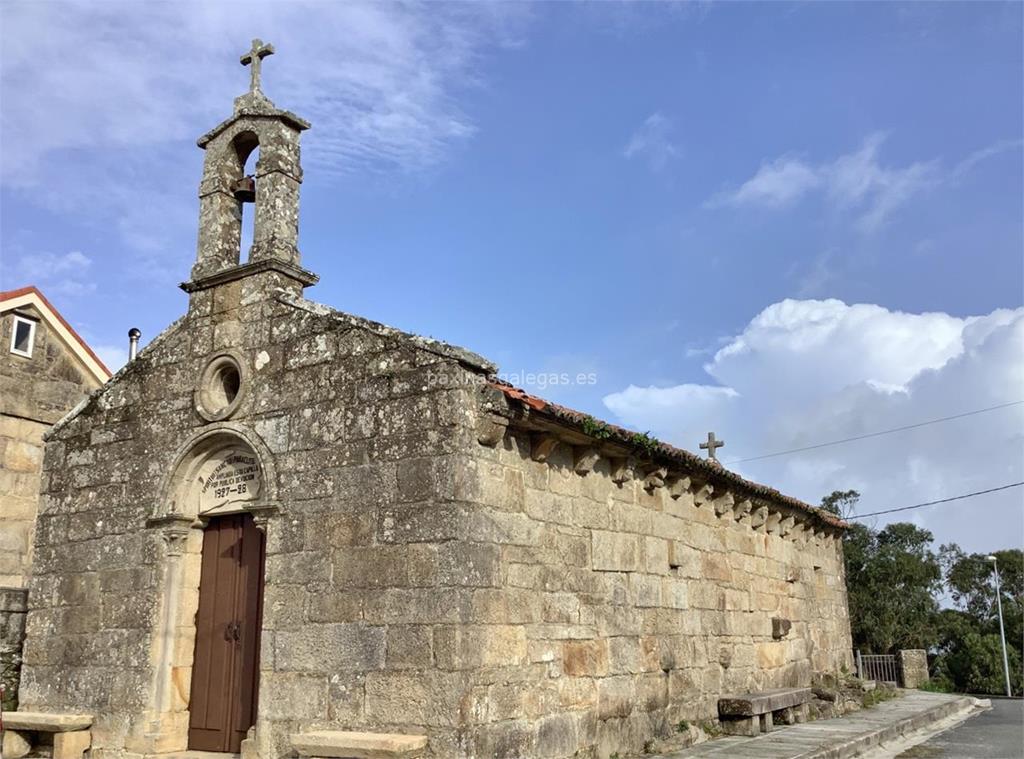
x=623, y=610
x=353, y=592
x=35, y=392
x=13, y=604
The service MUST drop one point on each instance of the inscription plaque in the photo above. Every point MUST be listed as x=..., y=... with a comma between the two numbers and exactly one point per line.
x=229, y=476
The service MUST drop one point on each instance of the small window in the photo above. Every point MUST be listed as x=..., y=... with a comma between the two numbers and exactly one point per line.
x=23, y=336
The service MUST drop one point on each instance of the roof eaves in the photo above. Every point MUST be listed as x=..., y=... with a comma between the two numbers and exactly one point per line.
x=576, y=420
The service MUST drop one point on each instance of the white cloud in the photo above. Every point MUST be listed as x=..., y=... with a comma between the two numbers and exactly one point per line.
x=856, y=182
x=775, y=184
x=68, y=274
x=102, y=101
x=808, y=372
x=652, y=142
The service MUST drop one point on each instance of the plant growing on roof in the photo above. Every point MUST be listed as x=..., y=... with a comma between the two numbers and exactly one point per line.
x=644, y=442
x=595, y=428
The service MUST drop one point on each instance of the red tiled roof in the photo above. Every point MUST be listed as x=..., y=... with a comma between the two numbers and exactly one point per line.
x=32, y=289
x=576, y=419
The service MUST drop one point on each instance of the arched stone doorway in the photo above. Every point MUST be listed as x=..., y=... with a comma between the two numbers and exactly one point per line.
x=216, y=499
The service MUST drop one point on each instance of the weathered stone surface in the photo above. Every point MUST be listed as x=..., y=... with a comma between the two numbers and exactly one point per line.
x=16, y=744
x=351, y=745
x=750, y=704
x=71, y=745
x=914, y=667
x=47, y=722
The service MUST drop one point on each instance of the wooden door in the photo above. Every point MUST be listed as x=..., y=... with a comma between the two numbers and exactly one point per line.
x=226, y=664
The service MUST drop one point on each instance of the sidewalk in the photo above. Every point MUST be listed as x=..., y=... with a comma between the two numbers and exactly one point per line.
x=838, y=738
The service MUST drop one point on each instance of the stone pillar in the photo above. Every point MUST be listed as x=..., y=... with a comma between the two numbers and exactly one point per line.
x=278, y=176
x=220, y=229
x=913, y=667
x=13, y=610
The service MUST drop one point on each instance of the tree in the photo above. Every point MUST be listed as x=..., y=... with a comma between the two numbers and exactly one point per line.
x=893, y=578
x=841, y=502
x=969, y=651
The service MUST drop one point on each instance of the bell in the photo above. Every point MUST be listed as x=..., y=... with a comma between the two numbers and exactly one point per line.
x=245, y=190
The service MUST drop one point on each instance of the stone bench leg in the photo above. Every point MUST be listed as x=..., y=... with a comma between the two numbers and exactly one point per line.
x=17, y=743
x=785, y=716
x=749, y=726
x=766, y=724
x=801, y=713
x=71, y=745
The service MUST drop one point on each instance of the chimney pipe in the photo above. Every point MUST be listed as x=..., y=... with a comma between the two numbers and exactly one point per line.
x=133, y=342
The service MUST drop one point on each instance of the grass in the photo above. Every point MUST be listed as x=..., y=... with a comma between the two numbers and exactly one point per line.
x=711, y=730
x=936, y=686
x=877, y=696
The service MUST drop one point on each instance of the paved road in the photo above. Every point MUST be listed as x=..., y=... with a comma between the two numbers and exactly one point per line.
x=994, y=734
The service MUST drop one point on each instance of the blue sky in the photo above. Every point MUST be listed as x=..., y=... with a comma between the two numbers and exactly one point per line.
x=790, y=223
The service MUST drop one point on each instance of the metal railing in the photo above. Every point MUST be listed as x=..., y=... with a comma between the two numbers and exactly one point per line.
x=882, y=667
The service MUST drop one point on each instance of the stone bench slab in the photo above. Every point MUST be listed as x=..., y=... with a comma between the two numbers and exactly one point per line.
x=765, y=702
x=349, y=745
x=46, y=722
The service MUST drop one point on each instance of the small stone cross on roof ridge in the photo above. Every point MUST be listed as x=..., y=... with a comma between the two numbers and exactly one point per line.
x=254, y=57
x=710, y=447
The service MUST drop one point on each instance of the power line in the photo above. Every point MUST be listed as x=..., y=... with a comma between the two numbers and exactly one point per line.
x=875, y=434
x=932, y=503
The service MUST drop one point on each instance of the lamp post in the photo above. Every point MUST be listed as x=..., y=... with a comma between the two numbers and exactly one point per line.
x=1002, y=633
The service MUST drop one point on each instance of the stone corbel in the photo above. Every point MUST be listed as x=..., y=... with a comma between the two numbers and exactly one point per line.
x=542, y=444
x=723, y=503
x=490, y=429
x=786, y=526
x=622, y=470
x=677, y=486
x=262, y=514
x=771, y=524
x=703, y=494
x=758, y=517
x=799, y=533
x=174, y=530
x=741, y=511
x=655, y=479
x=585, y=458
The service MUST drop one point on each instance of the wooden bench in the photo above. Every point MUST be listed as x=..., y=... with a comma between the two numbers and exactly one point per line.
x=347, y=745
x=754, y=713
x=68, y=733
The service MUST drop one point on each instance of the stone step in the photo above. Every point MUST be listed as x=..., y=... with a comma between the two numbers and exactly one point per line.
x=350, y=745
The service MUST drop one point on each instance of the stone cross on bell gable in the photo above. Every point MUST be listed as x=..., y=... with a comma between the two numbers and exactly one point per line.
x=254, y=57
x=711, y=445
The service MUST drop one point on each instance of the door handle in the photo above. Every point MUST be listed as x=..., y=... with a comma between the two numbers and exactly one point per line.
x=233, y=631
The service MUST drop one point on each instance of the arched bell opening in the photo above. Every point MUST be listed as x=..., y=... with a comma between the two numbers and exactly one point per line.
x=247, y=149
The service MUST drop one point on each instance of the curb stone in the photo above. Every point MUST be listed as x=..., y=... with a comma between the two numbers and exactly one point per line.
x=856, y=745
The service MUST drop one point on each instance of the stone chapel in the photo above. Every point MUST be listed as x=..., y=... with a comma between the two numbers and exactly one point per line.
x=282, y=519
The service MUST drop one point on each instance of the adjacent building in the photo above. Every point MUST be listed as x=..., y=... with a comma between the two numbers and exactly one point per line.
x=46, y=369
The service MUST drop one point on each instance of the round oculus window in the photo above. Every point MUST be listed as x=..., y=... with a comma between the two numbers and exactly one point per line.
x=221, y=388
